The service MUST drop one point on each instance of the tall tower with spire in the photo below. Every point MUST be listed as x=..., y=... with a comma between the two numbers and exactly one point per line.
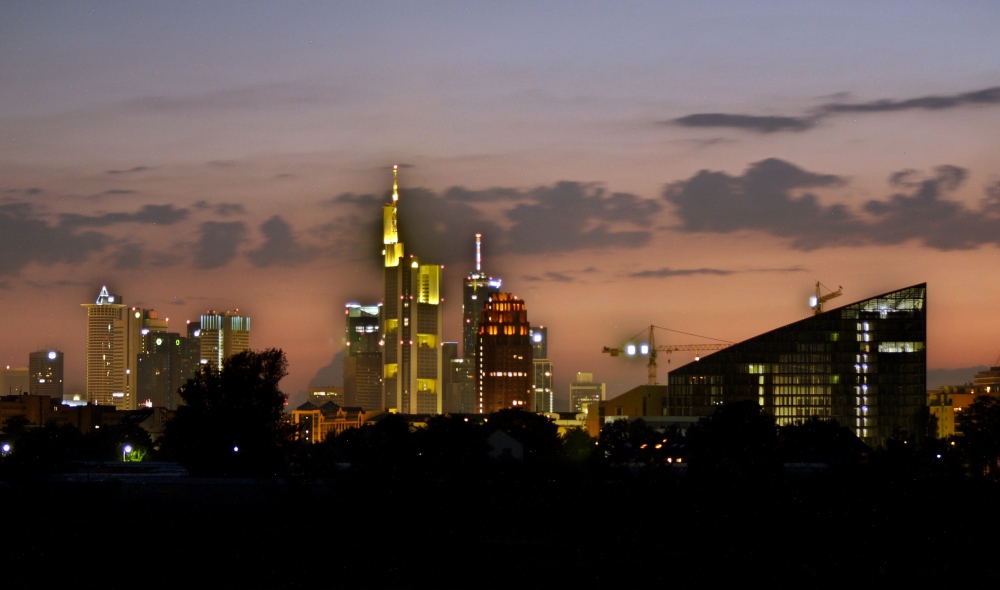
x=476, y=289
x=411, y=322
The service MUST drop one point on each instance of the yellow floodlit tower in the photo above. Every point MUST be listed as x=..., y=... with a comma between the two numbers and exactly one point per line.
x=411, y=322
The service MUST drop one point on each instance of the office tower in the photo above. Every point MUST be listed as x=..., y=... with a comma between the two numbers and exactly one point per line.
x=476, y=289
x=114, y=341
x=162, y=369
x=584, y=392
x=542, y=384
x=863, y=365
x=542, y=380
x=45, y=373
x=411, y=323
x=363, y=358
x=504, y=370
x=223, y=335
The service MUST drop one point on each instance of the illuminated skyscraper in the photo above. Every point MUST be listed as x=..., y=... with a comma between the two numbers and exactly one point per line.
x=363, y=358
x=45, y=373
x=584, y=392
x=476, y=288
x=114, y=340
x=411, y=323
x=223, y=335
x=542, y=380
x=504, y=369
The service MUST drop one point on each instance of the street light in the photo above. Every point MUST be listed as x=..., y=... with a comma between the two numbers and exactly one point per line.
x=126, y=450
x=5, y=448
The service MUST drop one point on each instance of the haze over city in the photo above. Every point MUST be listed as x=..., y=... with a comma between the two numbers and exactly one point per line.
x=694, y=167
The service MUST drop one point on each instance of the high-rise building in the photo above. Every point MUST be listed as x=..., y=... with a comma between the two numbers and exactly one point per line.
x=584, y=391
x=114, y=341
x=223, y=335
x=542, y=381
x=504, y=369
x=411, y=323
x=45, y=373
x=476, y=289
x=864, y=365
x=543, y=385
x=363, y=358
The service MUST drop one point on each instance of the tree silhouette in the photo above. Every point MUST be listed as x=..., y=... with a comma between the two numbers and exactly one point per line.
x=231, y=421
x=980, y=424
x=739, y=439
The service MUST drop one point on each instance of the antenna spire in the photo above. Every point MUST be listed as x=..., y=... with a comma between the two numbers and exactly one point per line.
x=479, y=254
x=395, y=183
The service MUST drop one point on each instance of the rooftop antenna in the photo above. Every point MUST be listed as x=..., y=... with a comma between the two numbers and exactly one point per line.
x=395, y=184
x=479, y=253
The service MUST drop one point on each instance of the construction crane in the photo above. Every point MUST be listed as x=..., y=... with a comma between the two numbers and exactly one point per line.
x=651, y=349
x=816, y=301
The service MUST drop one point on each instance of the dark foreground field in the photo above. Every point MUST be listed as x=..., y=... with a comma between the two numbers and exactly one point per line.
x=528, y=531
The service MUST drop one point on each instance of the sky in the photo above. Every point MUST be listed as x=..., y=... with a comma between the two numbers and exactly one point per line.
x=695, y=166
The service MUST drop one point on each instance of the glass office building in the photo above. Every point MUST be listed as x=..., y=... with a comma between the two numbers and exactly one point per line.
x=864, y=365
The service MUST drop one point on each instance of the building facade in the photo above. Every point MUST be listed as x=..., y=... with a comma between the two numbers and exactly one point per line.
x=114, y=341
x=584, y=392
x=543, y=380
x=411, y=323
x=476, y=289
x=222, y=335
x=864, y=365
x=45, y=373
x=363, y=357
x=504, y=368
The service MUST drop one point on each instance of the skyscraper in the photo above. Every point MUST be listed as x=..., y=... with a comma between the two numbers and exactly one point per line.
x=476, y=288
x=504, y=370
x=363, y=358
x=542, y=380
x=114, y=340
x=223, y=335
x=584, y=392
x=45, y=373
x=411, y=323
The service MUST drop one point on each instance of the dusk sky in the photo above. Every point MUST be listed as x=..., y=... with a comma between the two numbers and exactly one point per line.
x=698, y=166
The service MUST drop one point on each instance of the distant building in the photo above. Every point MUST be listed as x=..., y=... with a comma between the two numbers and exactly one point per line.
x=504, y=369
x=542, y=374
x=317, y=423
x=222, y=335
x=114, y=342
x=321, y=395
x=363, y=357
x=411, y=324
x=476, y=289
x=542, y=383
x=947, y=404
x=584, y=392
x=864, y=365
x=45, y=373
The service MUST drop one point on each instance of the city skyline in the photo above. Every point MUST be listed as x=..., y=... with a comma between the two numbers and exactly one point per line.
x=693, y=167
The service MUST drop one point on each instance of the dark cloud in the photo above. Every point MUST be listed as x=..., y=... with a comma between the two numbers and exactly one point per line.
x=679, y=272
x=118, y=191
x=761, y=124
x=280, y=247
x=26, y=238
x=221, y=209
x=764, y=124
x=768, y=198
x=551, y=276
x=129, y=171
x=566, y=217
x=151, y=214
x=24, y=191
x=761, y=200
x=218, y=243
x=986, y=96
